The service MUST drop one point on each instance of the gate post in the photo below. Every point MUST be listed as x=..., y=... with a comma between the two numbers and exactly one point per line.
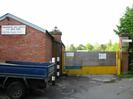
x=124, y=44
x=118, y=63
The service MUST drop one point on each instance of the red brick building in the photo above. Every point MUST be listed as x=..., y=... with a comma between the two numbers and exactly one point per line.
x=23, y=41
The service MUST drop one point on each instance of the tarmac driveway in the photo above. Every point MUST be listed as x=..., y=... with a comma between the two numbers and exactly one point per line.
x=86, y=88
x=66, y=88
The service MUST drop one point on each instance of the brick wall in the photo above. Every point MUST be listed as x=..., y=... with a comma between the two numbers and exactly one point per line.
x=57, y=37
x=124, y=61
x=34, y=46
x=48, y=48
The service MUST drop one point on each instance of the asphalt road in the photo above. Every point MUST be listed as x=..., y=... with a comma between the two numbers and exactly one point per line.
x=84, y=88
x=65, y=88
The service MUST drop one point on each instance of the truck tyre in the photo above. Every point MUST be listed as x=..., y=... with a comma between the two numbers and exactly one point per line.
x=16, y=90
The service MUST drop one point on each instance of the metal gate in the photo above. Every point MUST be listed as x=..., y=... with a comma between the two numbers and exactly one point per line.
x=82, y=63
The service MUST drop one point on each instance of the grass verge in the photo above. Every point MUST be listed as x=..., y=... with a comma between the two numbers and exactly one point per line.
x=127, y=75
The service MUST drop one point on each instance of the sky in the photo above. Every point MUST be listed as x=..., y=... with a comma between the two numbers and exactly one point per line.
x=80, y=21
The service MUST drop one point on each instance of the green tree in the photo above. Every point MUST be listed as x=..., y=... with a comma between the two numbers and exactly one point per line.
x=96, y=47
x=126, y=26
x=126, y=23
x=72, y=48
x=109, y=46
x=115, y=47
x=89, y=47
x=103, y=47
x=81, y=47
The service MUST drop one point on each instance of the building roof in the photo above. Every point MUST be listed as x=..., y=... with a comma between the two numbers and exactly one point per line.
x=8, y=15
x=22, y=21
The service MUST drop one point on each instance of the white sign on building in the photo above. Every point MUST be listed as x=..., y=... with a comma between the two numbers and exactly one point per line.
x=13, y=29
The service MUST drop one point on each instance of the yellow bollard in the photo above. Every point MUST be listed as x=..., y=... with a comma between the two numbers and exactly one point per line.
x=118, y=61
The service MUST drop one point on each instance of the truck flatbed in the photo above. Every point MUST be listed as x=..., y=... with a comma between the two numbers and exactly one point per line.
x=39, y=71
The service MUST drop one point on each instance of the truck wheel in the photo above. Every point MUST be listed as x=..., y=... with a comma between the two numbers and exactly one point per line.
x=16, y=90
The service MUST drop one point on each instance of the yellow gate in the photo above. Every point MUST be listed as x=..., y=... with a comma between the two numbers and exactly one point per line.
x=98, y=63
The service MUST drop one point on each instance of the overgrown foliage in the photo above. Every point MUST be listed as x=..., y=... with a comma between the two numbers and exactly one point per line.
x=96, y=47
x=126, y=26
x=128, y=74
x=126, y=23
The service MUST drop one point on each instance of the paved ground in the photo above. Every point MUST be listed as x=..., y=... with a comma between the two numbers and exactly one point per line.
x=86, y=88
